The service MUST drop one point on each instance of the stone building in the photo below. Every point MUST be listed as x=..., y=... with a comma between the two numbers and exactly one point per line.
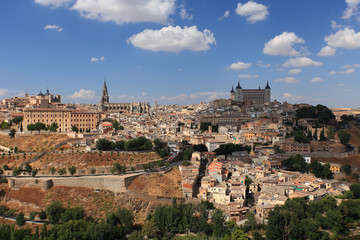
x=65, y=118
x=251, y=95
x=106, y=106
x=41, y=100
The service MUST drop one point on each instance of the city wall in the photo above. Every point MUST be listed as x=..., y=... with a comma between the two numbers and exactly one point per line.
x=116, y=184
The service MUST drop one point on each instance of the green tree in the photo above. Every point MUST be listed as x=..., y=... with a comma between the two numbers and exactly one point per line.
x=42, y=214
x=250, y=223
x=347, y=169
x=150, y=229
x=322, y=135
x=20, y=220
x=27, y=168
x=76, y=213
x=32, y=215
x=21, y=127
x=39, y=126
x=355, y=188
x=344, y=137
x=74, y=128
x=217, y=223
x=188, y=153
x=30, y=127
x=12, y=133
x=200, y=148
x=61, y=171
x=53, y=127
x=54, y=212
x=72, y=170
x=104, y=145
x=17, y=120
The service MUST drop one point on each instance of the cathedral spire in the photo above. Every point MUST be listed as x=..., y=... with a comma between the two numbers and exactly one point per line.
x=232, y=89
x=105, y=94
x=267, y=85
x=238, y=86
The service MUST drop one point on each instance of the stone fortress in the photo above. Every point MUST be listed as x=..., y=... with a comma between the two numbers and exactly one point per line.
x=251, y=95
x=106, y=106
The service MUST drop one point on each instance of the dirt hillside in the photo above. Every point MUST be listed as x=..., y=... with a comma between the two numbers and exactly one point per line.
x=38, y=143
x=156, y=184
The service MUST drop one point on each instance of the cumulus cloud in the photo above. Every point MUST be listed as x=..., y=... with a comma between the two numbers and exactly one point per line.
x=290, y=97
x=185, y=15
x=252, y=11
x=347, y=71
x=352, y=8
x=226, y=15
x=344, y=38
x=287, y=80
x=52, y=3
x=335, y=25
x=260, y=63
x=248, y=76
x=119, y=11
x=327, y=51
x=3, y=92
x=316, y=80
x=283, y=45
x=351, y=66
x=208, y=96
x=173, y=39
x=94, y=59
x=54, y=26
x=301, y=62
x=83, y=94
x=295, y=71
x=238, y=66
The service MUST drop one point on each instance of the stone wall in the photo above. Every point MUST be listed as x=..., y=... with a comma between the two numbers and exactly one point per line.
x=116, y=184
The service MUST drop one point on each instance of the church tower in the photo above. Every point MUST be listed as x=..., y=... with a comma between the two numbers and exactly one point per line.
x=232, y=94
x=104, y=94
x=267, y=92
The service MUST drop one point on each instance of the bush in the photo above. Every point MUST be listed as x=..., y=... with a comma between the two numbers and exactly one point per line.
x=20, y=220
x=32, y=215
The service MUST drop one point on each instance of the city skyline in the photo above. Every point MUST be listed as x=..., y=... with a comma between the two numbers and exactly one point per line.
x=183, y=52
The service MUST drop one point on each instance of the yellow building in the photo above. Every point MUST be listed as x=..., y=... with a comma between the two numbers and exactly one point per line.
x=83, y=119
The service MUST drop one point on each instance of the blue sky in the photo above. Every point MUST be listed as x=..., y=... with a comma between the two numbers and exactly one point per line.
x=181, y=51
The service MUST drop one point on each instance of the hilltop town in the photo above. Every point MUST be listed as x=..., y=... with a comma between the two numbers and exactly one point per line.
x=244, y=157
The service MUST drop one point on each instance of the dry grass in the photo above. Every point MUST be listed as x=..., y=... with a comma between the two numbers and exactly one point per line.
x=34, y=143
x=87, y=160
x=156, y=184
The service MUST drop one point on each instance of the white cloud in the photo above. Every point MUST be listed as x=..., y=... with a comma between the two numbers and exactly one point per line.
x=347, y=71
x=238, y=66
x=94, y=59
x=352, y=8
x=283, y=45
x=290, y=97
x=52, y=3
x=226, y=15
x=54, y=26
x=119, y=11
x=335, y=25
x=301, y=62
x=344, y=38
x=208, y=96
x=327, y=51
x=252, y=11
x=3, y=91
x=351, y=66
x=316, y=80
x=84, y=94
x=295, y=71
x=173, y=39
x=248, y=76
x=185, y=15
x=260, y=63
x=291, y=80
x=340, y=85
